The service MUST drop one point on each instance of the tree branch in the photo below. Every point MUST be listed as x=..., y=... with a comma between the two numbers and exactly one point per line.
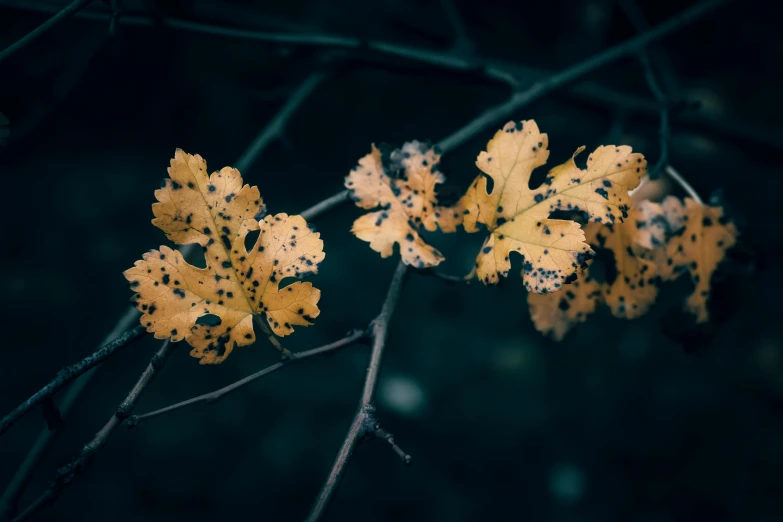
x=364, y=424
x=540, y=88
x=70, y=373
x=276, y=126
x=216, y=395
x=494, y=70
x=67, y=473
x=637, y=19
x=70, y=10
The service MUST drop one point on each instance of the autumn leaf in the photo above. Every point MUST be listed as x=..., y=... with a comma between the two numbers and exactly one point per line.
x=556, y=313
x=405, y=195
x=212, y=308
x=700, y=238
x=517, y=216
x=629, y=287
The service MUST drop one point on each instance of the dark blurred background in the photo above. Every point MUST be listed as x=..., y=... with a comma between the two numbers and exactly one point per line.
x=650, y=420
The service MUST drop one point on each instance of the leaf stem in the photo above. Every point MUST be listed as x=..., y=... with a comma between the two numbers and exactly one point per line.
x=684, y=184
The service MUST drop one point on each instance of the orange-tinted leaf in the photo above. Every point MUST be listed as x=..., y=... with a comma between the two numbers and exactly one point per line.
x=518, y=216
x=406, y=199
x=700, y=239
x=212, y=308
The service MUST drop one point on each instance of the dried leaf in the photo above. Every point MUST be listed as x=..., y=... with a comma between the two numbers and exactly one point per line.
x=701, y=235
x=632, y=287
x=213, y=308
x=518, y=217
x=556, y=313
x=407, y=200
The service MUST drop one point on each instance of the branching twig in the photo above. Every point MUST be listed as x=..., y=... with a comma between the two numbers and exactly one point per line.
x=276, y=126
x=216, y=395
x=570, y=74
x=70, y=10
x=637, y=19
x=66, y=474
x=364, y=424
x=70, y=373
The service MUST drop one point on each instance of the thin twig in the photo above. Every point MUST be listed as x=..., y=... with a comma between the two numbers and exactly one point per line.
x=70, y=373
x=325, y=205
x=276, y=126
x=462, y=42
x=364, y=424
x=216, y=395
x=494, y=70
x=70, y=10
x=684, y=184
x=448, y=278
x=388, y=437
x=14, y=489
x=67, y=473
x=570, y=74
x=637, y=19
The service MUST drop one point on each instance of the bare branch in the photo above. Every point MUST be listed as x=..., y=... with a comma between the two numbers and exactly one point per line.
x=276, y=126
x=633, y=13
x=67, y=473
x=70, y=373
x=494, y=70
x=325, y=205
x=14, y=489
x=448, y=278
x=70, y=10
x=462, y=42
x=364, y=423
x=216, y=395
x=388, y=437
x=540, y=88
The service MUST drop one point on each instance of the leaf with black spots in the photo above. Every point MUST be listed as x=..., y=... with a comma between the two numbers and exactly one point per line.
x=404, y=193
x=212, y=308
x=517, y=216
x=700, y=237
x=628, y=283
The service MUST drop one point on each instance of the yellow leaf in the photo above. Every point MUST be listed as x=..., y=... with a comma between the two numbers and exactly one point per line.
x=701, y=236
x=632, y=287
x=212, y=308
x=407, y=200
x=518, y=216
x=556, y=313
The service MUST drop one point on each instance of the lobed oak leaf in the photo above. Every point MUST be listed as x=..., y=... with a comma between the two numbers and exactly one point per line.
x=212, y=308
x=517, y=216
x=700, y=237
x=629, y=291
x=405, y=193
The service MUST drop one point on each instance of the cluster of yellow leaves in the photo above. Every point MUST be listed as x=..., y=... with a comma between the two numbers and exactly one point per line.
x=650, y=242
x=516, y=216
x=657, y=243
x=212, y=308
